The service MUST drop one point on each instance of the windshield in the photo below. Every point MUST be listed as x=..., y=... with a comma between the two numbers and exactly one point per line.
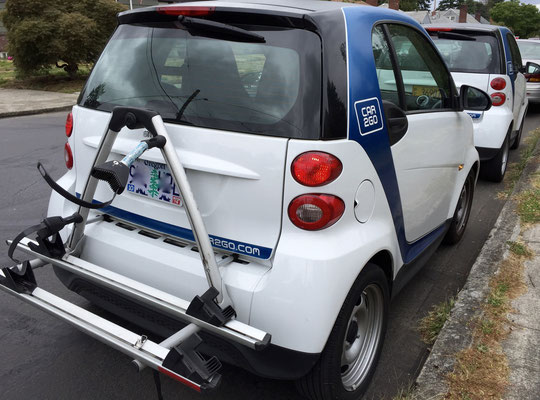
x=480, y=55
x=529, y=50
x=271, y=89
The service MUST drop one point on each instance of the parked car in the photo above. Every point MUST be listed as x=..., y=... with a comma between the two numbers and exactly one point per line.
x=530, y=51
x=487, y=57
x=321, y=172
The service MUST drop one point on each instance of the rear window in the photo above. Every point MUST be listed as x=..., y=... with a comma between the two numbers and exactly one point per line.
x=529, y=50
x=273, y=88
x=480, y=55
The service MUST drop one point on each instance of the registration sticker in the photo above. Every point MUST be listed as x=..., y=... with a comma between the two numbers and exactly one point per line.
x=369, y=116
x=153, y=180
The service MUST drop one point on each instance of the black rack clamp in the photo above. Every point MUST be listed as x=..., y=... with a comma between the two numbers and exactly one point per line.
x=205, y=308
x=186, y=361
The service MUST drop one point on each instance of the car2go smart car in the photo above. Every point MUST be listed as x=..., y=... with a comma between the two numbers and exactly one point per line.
x=290, y=192
x=530, y=51
x=488, y=58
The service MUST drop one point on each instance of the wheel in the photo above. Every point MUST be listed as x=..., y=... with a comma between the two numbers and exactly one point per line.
x=517, y=139
x=350, y=356
x=462, y=213
x=493, y=170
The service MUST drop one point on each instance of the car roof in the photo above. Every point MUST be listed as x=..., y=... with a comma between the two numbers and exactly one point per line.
x=290, y=6
x=465, y=26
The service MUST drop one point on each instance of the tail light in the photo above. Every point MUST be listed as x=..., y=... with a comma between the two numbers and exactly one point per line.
x=532, y=77
x=314, y=212
x=69, y=124
x=498, y=99
x=316, y=168
x=188, y=11
x=68, y=156
x=498, y=84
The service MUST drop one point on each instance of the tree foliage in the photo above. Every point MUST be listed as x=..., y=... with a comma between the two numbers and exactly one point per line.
x=61, y=32
x=450, y=4
x=523, y=19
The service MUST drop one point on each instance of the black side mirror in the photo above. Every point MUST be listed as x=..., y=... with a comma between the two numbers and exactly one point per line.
x=532, y=68
x=474, y=99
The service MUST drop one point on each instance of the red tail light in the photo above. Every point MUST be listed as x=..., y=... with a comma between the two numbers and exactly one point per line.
x=68, y=156
x=532, y=77
x=314, y=212
x=498, y=99
x=188, y=11
x=439, y=29
x=498, y=84
x=69, y=124
x=316, y=168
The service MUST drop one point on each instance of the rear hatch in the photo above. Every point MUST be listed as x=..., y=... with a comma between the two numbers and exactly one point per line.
x=230, y=107
x=471, y=56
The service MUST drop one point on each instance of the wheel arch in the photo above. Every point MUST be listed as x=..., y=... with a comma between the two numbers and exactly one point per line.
x=384, y=260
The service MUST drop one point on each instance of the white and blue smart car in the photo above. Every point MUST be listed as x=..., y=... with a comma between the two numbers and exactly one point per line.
x=488, y=57
x=280, y=172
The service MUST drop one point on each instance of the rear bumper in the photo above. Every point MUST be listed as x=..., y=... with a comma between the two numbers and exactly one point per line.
x=491, y=129
x=533, y=92
x=273, y=362
x=486, y=153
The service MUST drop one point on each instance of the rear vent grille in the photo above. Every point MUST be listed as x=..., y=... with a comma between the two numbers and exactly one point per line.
x=167, y=240
x=125, y=226
x=149, y=234
x=175, y=243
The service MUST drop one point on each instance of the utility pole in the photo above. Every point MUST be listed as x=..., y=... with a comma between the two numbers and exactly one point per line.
x=131, y=4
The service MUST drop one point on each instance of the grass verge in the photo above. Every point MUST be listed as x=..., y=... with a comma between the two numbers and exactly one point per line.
x=481, y=371
x=528, y=202
x=516, y=169
x=53, y=80
x=431, y=325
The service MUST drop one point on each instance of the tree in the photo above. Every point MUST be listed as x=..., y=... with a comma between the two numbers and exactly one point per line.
x=523, y=19
x=64, y=33
x=450, y=4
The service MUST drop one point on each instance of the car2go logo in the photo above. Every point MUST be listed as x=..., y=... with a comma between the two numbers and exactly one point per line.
x=368, y=114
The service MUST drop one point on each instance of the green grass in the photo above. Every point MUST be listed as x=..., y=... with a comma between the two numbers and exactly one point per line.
x=518, y=249
x=529, y=206
x=516, y=169
x=431, y=324
x=53, y=80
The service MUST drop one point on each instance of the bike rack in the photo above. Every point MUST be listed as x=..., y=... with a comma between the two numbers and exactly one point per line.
x=212, y=312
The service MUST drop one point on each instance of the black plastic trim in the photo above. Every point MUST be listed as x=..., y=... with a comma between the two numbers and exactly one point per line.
x=486, y=153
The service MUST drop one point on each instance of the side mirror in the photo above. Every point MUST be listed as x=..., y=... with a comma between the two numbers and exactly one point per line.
x=532, y=68
x=474, y=99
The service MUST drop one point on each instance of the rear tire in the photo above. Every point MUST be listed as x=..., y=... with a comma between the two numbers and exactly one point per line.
x=352, y=351
x=493, y=170
x=462, y=213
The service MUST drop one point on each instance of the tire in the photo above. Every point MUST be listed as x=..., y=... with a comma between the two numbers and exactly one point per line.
x=517, y=139
x=462, y=213
x=493, y=170
x=349, y=358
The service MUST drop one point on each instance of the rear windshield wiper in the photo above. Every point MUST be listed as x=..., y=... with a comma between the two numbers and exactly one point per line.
x=217, y=30
x=455, y=36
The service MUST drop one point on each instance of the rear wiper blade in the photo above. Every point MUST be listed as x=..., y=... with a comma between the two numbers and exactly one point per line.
x=455, y=36
x=217, y=30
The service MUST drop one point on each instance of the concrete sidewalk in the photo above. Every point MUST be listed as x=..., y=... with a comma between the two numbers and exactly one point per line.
x=522, y=346
x=15, y=102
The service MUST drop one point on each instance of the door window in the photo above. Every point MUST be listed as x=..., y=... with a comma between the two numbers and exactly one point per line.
x=426, y=81
x=514, y=51
x=383, y=64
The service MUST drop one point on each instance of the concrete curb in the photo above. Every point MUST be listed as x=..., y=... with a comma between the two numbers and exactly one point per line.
x=456, y=334
x=21, y=113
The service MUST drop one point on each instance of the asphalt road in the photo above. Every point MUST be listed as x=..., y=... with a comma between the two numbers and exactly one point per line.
x=42, y=358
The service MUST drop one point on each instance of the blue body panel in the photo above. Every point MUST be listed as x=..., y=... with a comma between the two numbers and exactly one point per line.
x=508, y=54
x=364, y=86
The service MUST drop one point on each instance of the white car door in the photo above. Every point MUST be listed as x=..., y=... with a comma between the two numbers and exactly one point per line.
x=517, y=77
x=428, y=154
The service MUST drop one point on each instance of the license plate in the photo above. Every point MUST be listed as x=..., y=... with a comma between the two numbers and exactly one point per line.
x=431, y=91
x=154, y=181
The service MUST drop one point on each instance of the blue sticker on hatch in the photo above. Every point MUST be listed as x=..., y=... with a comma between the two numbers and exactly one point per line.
x=474, y=115
x=369, y=116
